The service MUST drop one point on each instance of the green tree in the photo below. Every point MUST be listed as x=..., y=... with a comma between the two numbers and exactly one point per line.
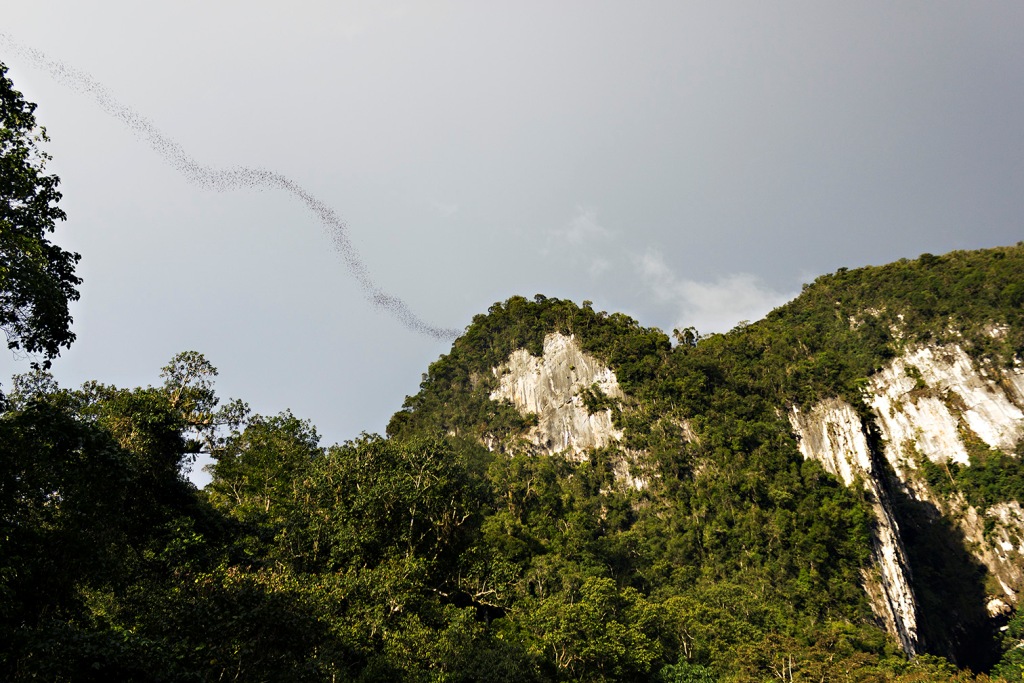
x=37, y=278
x=598, y=633
x=256, y=470
x=373, y=499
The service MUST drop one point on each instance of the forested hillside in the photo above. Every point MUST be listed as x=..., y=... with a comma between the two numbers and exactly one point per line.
x=829, y=494
x=455, y=550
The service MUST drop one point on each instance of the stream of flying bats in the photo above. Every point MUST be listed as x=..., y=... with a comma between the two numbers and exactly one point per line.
x=224, y=179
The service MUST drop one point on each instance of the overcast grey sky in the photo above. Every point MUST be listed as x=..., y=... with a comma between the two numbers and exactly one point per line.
x=683, y=162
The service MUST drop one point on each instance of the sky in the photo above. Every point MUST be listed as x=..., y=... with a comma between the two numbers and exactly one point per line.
x=686, y=163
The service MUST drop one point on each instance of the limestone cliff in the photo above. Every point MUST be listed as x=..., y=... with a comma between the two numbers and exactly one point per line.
x=550, y=387
x=832, y=434
x=931, y=403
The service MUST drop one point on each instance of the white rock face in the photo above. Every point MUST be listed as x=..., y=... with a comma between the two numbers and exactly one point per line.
x=926, y=418
x=832, y=434
x=997, y=607
x=550, y=387
x=989, y=412
x=912, y=424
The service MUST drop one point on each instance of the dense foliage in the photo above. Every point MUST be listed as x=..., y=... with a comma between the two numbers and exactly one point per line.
x=373, y=560
x=37, y=277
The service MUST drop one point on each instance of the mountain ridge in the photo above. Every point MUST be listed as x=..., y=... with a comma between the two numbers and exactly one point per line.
x=830, y=493
x=894, y=321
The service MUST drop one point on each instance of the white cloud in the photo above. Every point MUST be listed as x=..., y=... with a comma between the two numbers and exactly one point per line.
x=578, y=242
x=581, y=231
x=709, y=306
x=584, y=228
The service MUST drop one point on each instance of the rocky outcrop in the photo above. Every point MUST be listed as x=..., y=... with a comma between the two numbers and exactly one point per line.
x=551, y=387
x=929, y=404
x=832, y=433
x=999, y=546
x=926, y=397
